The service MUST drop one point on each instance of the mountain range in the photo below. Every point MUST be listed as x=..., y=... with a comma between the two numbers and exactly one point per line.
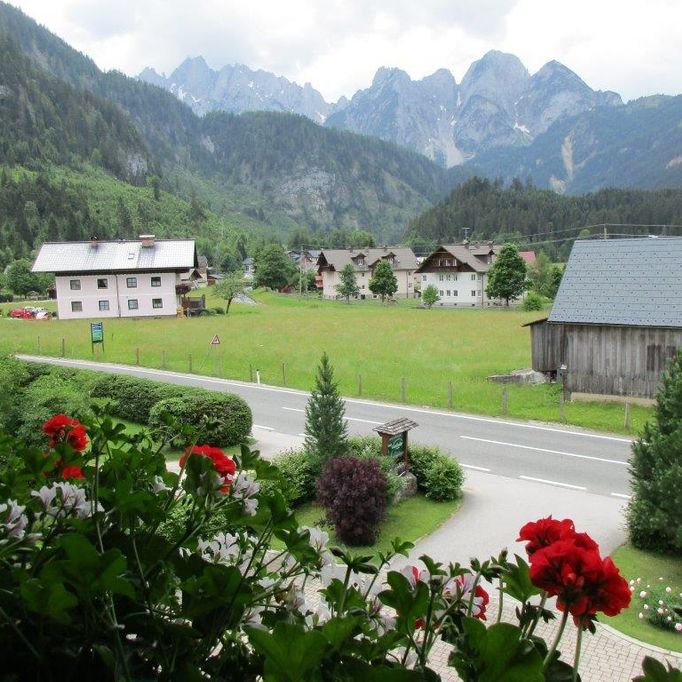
x=498, y=103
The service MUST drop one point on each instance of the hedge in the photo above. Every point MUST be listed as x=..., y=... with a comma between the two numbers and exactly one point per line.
x=132, y=398
x=224, y=418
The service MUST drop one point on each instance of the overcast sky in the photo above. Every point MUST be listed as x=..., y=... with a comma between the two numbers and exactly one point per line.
x=631, y=46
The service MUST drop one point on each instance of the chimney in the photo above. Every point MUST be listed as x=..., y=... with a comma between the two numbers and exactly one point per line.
x=465, y=243
x=94, y=242
x=147, y=240
x=385, y=248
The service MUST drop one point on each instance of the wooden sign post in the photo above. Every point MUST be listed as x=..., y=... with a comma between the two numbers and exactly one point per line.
x=394, y=441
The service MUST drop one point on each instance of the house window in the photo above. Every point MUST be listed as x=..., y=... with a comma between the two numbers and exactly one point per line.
x=132, y=304
x=76, y=306
x=480, y=277
x=423, y=278
x=157, y=303
x=447, y=293
x=454, y=277
x=131, y=283
x=103, y=283
x=440, y=293
x=473, y=276
x=156, y=281
x=75, y=284
x=103, y=305
x=454, y=293
x=363, y=286
x=440, y=277
x=473, y=293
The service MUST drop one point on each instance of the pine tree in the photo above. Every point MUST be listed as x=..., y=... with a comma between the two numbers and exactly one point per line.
x=325, y=425
x=655, y=510
x=349, y=283
x=383, y=282
x=507, y=276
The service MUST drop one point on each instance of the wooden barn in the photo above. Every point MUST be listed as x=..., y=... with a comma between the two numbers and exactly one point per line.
x=617, y=317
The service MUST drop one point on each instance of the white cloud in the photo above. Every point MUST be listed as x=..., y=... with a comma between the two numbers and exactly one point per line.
x=337, y=45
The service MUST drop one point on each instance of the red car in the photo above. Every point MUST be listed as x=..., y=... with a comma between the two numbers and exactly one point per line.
x=21, y=313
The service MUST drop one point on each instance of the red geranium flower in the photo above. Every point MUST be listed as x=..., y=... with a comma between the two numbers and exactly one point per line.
x=71, y=472
x=567, y=571
x=61, y=428
x=223, y=465
x=610, y=592
x=544, y=532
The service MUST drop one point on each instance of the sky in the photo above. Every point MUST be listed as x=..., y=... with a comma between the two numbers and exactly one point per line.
x=631, y=46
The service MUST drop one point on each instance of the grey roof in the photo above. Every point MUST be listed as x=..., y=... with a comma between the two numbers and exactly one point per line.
x=338, y=258
x=631, y=282
x=396, y=426
x=116, y=256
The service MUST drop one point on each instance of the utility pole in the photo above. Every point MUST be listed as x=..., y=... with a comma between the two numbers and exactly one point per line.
x=606, y=234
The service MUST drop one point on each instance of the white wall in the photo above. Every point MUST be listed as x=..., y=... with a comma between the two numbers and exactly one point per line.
x=469, y=287
x=330, y=279
x=117, y=294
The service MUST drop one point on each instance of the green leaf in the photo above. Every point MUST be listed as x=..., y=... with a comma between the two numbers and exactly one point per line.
x=48, y=598
x=290, y=652
x=517, y=583
x=655, y=671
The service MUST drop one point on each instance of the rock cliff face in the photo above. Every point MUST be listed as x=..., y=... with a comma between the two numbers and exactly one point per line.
x=236, y=88
x=497, y=104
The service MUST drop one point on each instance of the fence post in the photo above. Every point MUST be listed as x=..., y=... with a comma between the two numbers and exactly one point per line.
x=137, y=357
x=450, y=398
x=250, y=372
x=505, y=401
x=284, y=374
x=38, y=343
x=190, y=363
x=562, y=407
x=627, y=417
x=163, y=359
x=258, y=377
x=359, y=384
x=63, y=348
x=403, y=389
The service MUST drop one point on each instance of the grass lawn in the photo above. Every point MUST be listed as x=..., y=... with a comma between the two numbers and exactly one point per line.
x=648, y=566
x=382, y=344
x=410, y=520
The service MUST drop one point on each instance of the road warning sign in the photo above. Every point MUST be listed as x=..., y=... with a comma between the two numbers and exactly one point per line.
x=215, y=341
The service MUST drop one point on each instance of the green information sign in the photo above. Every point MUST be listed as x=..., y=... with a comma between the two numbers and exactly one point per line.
x=395, y=446
x=96, y=334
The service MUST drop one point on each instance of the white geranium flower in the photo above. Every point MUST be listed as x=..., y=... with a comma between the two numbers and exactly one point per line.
x=318, y=538
x=15, y=521
x=158, y=486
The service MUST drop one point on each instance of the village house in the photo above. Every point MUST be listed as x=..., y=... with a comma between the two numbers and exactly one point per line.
x=306, y=259
x=331, y=261
x=122, y=278
x=459, y=272
x=617, y=317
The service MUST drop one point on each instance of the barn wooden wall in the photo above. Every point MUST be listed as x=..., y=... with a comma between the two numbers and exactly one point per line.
x=605, y=359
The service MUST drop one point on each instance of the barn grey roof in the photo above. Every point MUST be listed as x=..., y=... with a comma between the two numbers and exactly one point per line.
x=116, y=256
x=631, y=282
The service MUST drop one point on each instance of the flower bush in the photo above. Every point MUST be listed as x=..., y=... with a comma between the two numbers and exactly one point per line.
x=660, y=604
x=96, y=584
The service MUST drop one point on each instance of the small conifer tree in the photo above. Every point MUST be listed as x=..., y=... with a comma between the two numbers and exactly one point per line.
x=325, y=425
x=655, y=510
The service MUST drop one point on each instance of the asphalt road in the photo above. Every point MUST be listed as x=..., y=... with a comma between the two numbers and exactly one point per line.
x=571, y=459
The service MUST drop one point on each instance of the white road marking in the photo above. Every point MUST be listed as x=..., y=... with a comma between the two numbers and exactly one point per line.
x=365, y=421
x=471, y=466
x=264, y=428
x=293, y=409
x=134, y=370
x=552, y=452
x=561, y=485
x=622, y=496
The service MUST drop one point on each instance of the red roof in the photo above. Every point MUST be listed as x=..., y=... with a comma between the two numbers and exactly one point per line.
x=528, y=256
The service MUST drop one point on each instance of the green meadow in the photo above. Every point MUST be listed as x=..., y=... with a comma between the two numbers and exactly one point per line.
x=391, y=352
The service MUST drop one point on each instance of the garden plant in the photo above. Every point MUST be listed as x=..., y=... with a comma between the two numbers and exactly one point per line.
x=98, y=583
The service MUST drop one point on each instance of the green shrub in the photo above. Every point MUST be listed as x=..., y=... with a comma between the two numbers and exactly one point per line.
x=298, y=476
x=223, y=418
x=533, y=301
x=661, y=606
x=432, y=467
x=218, y=310
x=444, y=480
x=45, y=397
x=132, y=398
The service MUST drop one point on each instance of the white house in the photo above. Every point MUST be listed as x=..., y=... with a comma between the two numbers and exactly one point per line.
x=122, y=278
x=331, y=261
x=460, y=272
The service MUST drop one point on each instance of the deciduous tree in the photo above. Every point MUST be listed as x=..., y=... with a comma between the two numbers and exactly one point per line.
x=229, y=287
x=430, y=296
x=349, y=283
x=507, y=276
x=274, y=269
x=383, y=282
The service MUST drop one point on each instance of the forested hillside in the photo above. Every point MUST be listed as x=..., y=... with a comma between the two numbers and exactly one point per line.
x=275, y=170
x=531, y=215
